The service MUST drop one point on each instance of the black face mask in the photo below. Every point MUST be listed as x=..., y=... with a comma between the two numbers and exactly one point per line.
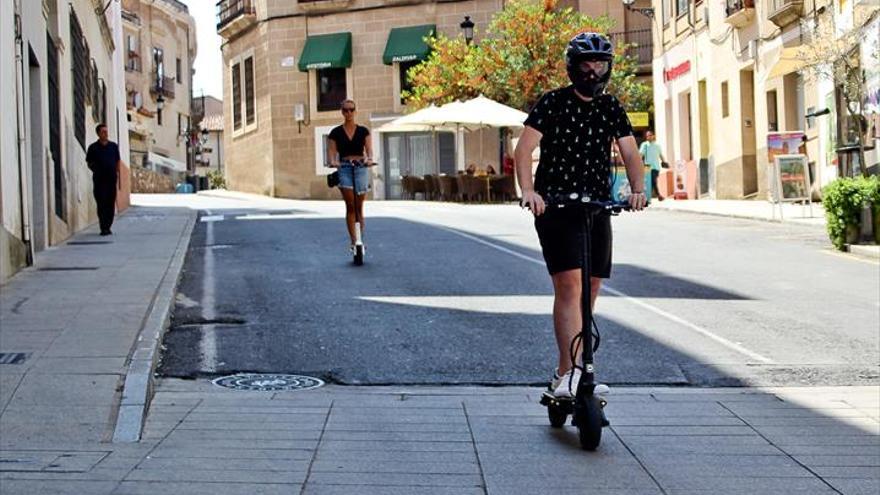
x=589, y=85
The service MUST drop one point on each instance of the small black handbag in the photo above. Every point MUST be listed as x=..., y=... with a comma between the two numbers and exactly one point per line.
x=333, y=179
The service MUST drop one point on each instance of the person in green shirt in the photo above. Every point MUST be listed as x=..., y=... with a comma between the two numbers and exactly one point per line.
x=652, y=155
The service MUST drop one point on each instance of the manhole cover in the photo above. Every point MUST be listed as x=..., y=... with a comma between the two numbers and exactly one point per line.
x=267, y=382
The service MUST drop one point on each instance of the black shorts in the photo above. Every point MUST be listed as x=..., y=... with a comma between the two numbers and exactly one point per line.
x=559, y=230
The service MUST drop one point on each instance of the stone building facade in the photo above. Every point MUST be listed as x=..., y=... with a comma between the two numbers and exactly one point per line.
x=275, y=112
x=159, y=47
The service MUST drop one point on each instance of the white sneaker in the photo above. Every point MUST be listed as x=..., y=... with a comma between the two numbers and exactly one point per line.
x=351, y=250
x=562, y=386
x=566, y=385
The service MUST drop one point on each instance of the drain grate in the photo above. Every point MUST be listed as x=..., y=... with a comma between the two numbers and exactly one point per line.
x=267, y=382
x=66, y=268
x=87, y=243
x=13, y=357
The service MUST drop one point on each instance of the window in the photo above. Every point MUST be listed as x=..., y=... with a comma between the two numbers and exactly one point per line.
x=667, y=11
x=159, y=67
x=236, y=96
x=681, y=7
x=132, y=57
x=405, y=83
x=725, y=103
x=95, y=91
x=250, y=103
x=244, y=94
x=179, y=69
x=79, y=69
x=331, y=89
x=103, y=101
x=772, y=113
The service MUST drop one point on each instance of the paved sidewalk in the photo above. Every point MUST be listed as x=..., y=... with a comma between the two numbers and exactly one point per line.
x=756, y=210
x=200, y=439
x=68, y=326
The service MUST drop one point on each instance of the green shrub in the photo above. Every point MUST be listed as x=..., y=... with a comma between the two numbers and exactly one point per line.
x=843, y=201
x=216, y=180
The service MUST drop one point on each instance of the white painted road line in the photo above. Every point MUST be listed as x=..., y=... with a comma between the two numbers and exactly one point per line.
x=211, y=218
x=654, y=309
x=208, y=342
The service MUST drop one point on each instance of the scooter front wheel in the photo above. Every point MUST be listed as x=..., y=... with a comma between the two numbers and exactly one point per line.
x=588, y=418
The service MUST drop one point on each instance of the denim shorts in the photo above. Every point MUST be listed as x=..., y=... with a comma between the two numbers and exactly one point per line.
x=357, y=178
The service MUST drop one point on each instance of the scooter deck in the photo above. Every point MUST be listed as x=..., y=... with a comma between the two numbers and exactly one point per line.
x=566, y=404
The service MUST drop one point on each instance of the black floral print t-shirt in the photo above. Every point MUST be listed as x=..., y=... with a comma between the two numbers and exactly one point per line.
x=576, y=140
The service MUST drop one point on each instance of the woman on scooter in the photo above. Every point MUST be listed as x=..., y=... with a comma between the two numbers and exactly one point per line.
x=349, y=149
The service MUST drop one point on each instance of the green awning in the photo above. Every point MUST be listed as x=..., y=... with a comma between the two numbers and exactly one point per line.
x=408, y=43
x=326, y=51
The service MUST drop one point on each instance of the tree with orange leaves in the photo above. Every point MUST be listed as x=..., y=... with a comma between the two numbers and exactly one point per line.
x=521, y=57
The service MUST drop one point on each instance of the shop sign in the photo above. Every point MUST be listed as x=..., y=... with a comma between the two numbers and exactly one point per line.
x=404, y=58
x=639, y=119
x=677, y=71
x=319, y=65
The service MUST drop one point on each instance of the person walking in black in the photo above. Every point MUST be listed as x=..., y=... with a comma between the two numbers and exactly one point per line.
x=104, y=161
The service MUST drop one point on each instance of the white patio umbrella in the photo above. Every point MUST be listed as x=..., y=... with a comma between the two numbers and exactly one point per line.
x=478, y=113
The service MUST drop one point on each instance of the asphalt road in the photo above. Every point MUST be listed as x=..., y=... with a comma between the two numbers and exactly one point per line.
x=458, y=294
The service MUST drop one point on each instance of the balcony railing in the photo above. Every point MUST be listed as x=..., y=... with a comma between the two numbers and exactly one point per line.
x=784, y=12
x=641, y=44
x=229, y=11
x=739, y=12
x=163, y=86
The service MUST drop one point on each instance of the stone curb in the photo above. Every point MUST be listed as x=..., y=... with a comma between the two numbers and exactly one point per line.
x=741, y=216
x=864, y=251
x=137, y=390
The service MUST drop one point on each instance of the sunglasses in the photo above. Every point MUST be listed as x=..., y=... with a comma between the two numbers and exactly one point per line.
x=348, y=110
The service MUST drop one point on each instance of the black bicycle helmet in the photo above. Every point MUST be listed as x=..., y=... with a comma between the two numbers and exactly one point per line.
x=592, y=47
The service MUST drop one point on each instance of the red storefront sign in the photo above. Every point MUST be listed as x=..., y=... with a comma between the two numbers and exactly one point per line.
x=677, y=71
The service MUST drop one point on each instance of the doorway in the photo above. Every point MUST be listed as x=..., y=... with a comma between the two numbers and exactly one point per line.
x=38, y=196
x=749, y=139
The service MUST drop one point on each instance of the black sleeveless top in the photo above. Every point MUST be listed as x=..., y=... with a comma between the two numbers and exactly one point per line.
x=353, y=146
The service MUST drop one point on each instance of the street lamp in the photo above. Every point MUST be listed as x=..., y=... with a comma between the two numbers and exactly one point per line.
x=160, y=102
x=467, y=26
x=205, y=134
x=647, y=12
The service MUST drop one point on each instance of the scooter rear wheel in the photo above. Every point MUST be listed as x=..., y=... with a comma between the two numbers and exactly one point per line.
x=588, y=418
x=557, y=416
x=358, y=255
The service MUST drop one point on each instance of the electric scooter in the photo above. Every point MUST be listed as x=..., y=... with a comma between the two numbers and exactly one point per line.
x=358, y=252
x=587, y=406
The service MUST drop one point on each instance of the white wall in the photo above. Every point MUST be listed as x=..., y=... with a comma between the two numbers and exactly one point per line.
x=9, y=178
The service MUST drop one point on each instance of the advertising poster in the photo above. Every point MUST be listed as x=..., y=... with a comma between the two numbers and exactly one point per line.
x=793, y=178
x=870, y=57
x=682, y=176
x=781, y=143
